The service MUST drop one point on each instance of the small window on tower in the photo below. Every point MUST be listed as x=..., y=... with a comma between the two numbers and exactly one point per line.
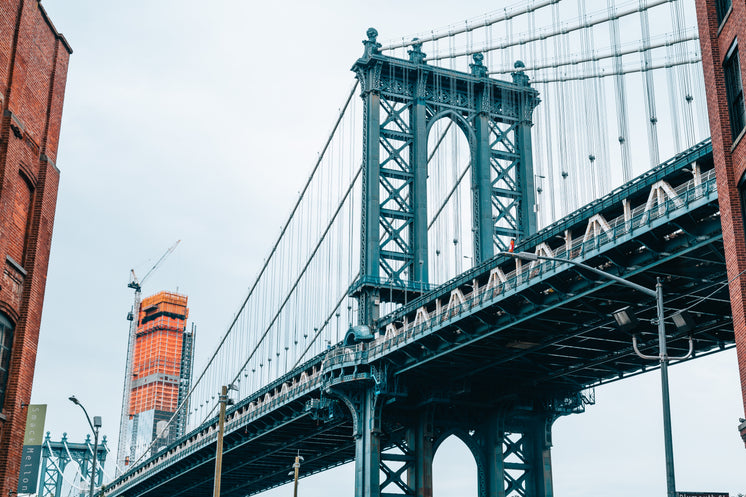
x=734, y=91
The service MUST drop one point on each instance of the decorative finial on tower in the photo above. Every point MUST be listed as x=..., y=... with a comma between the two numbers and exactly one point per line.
x=372, y=47
x=416, y=55
x=519, y=77
x=477, y=68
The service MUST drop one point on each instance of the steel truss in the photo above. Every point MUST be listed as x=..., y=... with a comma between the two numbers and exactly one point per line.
x=402, y=100
x=395, y=447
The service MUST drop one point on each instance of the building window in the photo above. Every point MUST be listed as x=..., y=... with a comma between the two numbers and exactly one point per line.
x=21, y=216
x=734, y=91
x=742, y=194
x=6, y=339
x=722, y=7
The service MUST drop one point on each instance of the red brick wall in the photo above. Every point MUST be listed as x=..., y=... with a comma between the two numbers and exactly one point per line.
x=730, y=160
x=33, y=72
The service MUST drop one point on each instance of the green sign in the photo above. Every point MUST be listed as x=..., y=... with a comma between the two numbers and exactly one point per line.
x=32, y=442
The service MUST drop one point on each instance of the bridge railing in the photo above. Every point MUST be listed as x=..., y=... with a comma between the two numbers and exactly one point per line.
x=206, y=434
x=459, y=302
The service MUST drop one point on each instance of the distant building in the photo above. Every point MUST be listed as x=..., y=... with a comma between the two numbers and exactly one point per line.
x=33, y=73
x=161, y=374
x=721, y=27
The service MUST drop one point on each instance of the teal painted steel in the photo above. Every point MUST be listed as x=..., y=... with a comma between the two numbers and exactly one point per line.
x=401, y=100
x=57, y=455
x=495, y=368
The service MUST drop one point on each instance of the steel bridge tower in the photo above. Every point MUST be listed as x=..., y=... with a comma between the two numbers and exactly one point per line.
x=402, y=99
x=57, y=455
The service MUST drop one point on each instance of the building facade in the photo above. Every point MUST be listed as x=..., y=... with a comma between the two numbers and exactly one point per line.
x=722, y=28
x=33, y=72
x=161, y=373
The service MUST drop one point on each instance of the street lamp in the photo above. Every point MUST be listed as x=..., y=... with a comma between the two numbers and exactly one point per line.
x=294, y=473
x=224, y=400
x=94, y=428
x=626, y=320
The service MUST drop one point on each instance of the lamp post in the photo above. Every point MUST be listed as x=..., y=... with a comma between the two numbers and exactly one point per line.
x=224, y=401
x=295, y=472
x=95, y=425
x=219, y=445
x=662, y=351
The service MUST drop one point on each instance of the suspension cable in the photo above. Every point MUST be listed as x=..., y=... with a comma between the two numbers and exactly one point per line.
x=258, y=278
x=604, y=55
x=693, y=60
x=310, y=258
x=328, y=318
x=504, y=16
x=560, y=31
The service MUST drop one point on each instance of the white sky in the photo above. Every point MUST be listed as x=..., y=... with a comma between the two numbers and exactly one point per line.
x=199, y=121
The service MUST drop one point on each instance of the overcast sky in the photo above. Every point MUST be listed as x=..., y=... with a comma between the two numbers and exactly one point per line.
x=199, y=121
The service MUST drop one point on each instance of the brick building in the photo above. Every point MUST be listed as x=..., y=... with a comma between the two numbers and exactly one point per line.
x=722, y=25
x=33, y=72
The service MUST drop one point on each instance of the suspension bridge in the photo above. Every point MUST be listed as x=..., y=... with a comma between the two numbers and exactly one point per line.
x=387, y=317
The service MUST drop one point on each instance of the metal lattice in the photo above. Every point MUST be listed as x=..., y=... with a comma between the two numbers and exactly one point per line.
x=402, y=100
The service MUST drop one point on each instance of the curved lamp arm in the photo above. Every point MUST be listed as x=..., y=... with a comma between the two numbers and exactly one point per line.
x=656, y=358
x=75, y=401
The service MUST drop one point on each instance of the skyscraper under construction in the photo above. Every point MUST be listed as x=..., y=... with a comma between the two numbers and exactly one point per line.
x=160, y=376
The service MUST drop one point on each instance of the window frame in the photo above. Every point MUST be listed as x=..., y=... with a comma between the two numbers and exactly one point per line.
x=722, y=10
x=734, y=90
x=7, y=330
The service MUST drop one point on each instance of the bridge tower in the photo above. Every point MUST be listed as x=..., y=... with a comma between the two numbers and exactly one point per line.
x=402, y=99
x=57, y=455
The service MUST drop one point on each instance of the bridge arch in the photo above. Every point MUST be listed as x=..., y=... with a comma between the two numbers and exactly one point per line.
x=458, y=120
x=450, y=196
x=459, y=468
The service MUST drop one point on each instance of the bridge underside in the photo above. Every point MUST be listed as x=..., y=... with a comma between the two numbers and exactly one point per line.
x=557, y=336
x=256, y=457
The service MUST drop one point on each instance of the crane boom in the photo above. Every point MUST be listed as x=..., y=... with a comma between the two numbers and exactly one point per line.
x=124, y=432
x=134, y=283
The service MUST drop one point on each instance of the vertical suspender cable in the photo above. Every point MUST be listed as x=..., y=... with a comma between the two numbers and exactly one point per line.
x=649, y=88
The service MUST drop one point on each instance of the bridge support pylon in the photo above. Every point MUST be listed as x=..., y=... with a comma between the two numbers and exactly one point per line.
x=515, y=455
x=512, y=448
x=420, y=439
x=364, y=405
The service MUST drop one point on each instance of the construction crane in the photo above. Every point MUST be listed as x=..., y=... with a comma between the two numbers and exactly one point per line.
x=136, y=285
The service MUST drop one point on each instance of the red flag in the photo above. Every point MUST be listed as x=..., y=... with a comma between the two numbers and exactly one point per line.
x=512, y=245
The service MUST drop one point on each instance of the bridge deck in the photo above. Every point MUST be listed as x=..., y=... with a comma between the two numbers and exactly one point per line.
x=496, y=335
